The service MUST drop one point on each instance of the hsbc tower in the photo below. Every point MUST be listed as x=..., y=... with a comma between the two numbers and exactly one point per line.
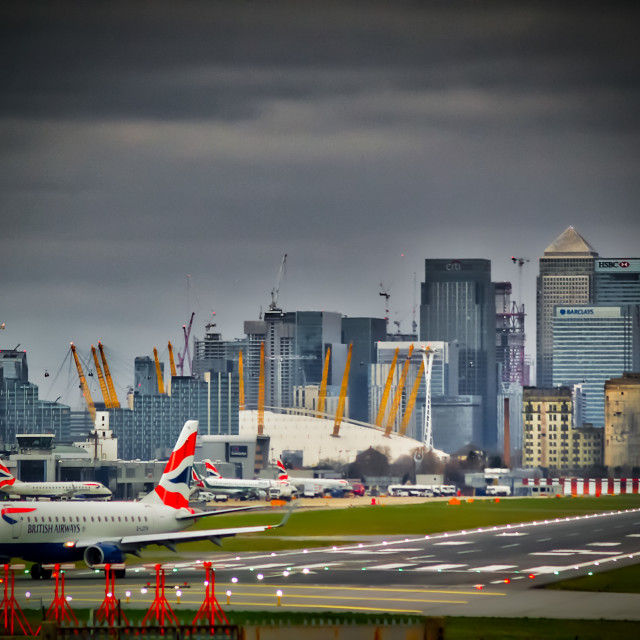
x=617, y=281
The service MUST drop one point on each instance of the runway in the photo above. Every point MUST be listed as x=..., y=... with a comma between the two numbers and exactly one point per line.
x=489, y=571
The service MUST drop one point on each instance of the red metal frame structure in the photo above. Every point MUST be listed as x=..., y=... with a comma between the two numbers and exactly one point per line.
x=9, y=608
x=110, y=607
x=60, y=609
x=160, y=608
x=210, y=609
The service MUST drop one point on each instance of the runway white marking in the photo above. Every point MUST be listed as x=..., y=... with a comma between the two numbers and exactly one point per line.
x=633, y=535
x=469, y=551
x=512, y=533
x=440, y=567
x=515, y=544
x=603, y=544
x=397, y=565
x=494, y=567
x=452, y=543
x=320, y=565
x=544, y=569
x=569, y=552
x=544, y=539
x=273, y=565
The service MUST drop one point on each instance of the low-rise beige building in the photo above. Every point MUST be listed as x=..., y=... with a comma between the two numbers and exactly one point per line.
x=622, y=421
x=550, y=439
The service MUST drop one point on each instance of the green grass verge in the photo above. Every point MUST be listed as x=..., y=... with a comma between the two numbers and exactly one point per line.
x=537, y=628
x=456, y=628
x=623, y=580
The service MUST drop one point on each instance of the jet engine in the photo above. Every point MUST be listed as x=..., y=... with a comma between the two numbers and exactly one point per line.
x=103, y=554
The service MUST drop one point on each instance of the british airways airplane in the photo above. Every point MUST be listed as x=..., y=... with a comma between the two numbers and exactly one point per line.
x=256, y=489
x=53, y=532
x=77, y=490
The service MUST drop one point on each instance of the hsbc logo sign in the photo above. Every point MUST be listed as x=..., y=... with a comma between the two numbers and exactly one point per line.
x=621, y=264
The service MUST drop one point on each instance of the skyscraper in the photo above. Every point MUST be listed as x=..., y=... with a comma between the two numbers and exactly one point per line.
x=617, y=281
x=457, y=305
x=566, y=277
x=590, y=345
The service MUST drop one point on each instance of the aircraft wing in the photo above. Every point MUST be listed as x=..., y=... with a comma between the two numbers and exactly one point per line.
x=214, y=535
x=218, y=512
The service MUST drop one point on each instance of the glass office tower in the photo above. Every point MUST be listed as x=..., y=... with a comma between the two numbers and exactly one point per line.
x=457, y=305
x=566, y=277
x=590, y=345
x=617, y=281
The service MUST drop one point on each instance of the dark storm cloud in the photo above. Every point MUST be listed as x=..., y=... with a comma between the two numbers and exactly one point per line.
x=143, y=141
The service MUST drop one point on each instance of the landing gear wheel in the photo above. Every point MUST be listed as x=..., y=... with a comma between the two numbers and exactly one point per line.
x=119, y=573
x=46, y=574
x=36, y=571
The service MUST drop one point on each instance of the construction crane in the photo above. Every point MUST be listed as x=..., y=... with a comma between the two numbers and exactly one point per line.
x=172, y=361
x=387, y=389
x=158, y=372
x=384, y=292
x=427, y=360
x=103, y=384
x=261, y=392
x=83, y=384
x=241, y=406
x=115, y=403
x=185, y=349
x=343, y=395
x=276, y=290
x=322, y=395
x=411, y=402
x=398, y=395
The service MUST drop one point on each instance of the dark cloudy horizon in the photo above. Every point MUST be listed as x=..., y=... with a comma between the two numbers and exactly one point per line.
x=159, y=158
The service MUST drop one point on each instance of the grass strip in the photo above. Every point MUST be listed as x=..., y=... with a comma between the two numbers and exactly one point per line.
x=622, y=580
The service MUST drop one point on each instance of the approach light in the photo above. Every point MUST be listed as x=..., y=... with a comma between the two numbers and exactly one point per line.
x=532, y=576
x=285, y=574
x=259, y=576
x=507, y=581
x=234, y=580
x=305, y=570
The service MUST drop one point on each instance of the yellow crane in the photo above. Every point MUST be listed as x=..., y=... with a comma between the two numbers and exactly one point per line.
x=158, y=372
x=322, y=395
x=103, y=384
x=83, y=383
x=261, y=392
x=343, y=394
x=387, y=389
x=115, y=403
x=398, y=396
x=411, y=402
x=172, y=361
x=241, y=381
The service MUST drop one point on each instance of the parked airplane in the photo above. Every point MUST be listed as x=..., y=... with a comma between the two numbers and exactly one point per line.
x=315, y=485
x=53, y=532
x=76, y=490
x=258, y=489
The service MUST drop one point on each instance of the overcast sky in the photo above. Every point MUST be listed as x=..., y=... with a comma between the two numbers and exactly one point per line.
x=158, y=158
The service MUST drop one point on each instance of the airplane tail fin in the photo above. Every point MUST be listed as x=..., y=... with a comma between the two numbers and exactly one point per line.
x=211, y=468
x=173, y=489
x=6, y=478
x=284, y=474
x=197, y=481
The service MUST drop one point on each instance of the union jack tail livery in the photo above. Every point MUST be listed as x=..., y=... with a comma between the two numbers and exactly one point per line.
x=173, y=489
x=284, y=474
x=196, y=479
x=6, y=479
x=211, y=468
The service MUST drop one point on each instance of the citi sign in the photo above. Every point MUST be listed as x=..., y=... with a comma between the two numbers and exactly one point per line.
x=589, y=311
x=622, y=264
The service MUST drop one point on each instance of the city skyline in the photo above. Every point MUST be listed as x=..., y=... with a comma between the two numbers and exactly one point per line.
x=155, y=165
